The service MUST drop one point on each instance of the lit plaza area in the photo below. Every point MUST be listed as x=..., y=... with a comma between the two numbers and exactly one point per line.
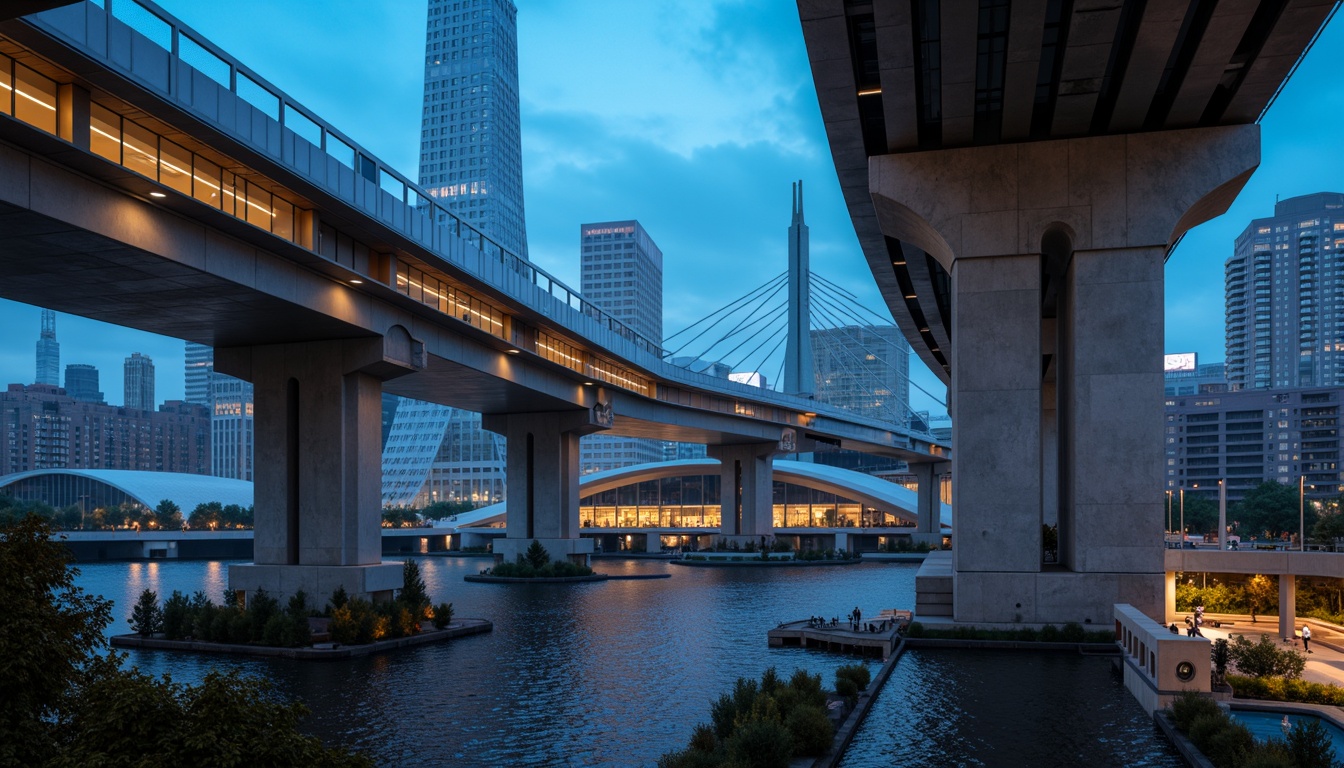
x=492, y=372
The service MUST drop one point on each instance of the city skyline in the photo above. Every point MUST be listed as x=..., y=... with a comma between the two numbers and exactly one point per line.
x=605, y=136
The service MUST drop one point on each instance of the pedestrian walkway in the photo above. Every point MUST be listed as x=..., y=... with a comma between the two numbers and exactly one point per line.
x=1325, y=664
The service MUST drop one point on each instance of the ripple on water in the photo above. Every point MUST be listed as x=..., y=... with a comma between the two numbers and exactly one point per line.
x=617, y=673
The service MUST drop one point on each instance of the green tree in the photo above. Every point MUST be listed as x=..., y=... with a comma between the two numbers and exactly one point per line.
x=441, y=509
x=413, y=594
x=1264, y=659
x=40, y=600
x=1270, y=508
x=1329, y=525
x=1261, y=592
x=536, y=555
x=168, y=514
x=1310, y=746
x=70, y=518
x=146, y=616
x=1201, y=514
x=205, y=513
x=68, y=702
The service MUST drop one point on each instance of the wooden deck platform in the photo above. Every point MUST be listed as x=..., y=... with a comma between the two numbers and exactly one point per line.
x=841, y=638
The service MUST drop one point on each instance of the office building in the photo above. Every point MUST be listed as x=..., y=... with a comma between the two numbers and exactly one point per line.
x=44, y=428
x=200, y=366
x=1285, y=297
x=621, y=273
x=229, y=402
x=471, y=155
x=1250, y=436
x=81, y=383
x=1185, y=375
x=139, y=385
x=48, y=352
x=863, y=369
x=471, y=160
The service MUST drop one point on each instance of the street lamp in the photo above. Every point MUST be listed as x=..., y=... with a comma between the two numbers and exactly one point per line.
x=1301, y=513
x=1168, y=511
x=1182, y=518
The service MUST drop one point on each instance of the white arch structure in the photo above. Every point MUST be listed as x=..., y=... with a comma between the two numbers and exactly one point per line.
x=865, y=489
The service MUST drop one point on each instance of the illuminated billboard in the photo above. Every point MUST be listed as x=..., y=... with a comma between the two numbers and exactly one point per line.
x=1181, y=361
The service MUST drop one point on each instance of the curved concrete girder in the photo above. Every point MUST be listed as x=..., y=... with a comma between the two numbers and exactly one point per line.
x=1126, y=191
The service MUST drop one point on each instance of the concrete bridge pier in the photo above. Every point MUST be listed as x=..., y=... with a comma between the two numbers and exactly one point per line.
x=1287, y=606
x=318, y=464
x=928, y=523
x=1056, y=252
x=746, y=491
x=541, y=493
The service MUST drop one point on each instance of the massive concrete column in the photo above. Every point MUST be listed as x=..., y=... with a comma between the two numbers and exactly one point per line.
x=542, y=491
x=746, y=490
x=1287, y=606
x=1056, y=250
x=318, y=472
x=928, y=503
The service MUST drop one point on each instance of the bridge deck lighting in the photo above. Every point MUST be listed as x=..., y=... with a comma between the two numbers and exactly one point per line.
x=157, y=194
x=356, y=281
x=911, y=296
x=511, y=351
x=587, y=383
x=871, y=92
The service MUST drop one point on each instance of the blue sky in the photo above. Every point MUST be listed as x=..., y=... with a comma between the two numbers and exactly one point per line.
x=692, y=117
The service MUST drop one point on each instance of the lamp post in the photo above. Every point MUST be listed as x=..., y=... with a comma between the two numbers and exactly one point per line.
x=1222, y=515
x=1182, y=518
x=1301, y=513
x=1168, y=512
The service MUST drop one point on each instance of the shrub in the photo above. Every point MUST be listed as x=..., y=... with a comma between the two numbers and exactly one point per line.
x=848, y=689
x=536, y=555
x=914, y=630
x=413, y=594
x=443, y=615
x=260, y=609
x=1229, y=745
x=760, y=744
x=342, y=626
x=808, y=688
x=1220, y=655
x=857, y=672
x=1073, y=633
x=724, y=712
x=339, y=598
x=810, y=729
x=1309, y=745
x=689, y=758
x=1204, y=727
x=146, y=618
x=1264, y=659
x=1050, y=634
x=1270, y=755
x=176, y=616
x=278, y=631
x=1190, y=706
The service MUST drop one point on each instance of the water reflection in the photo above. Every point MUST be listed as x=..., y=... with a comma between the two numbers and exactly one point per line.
x=615, y=674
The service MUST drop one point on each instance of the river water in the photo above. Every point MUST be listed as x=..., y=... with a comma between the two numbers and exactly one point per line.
x=617, y=673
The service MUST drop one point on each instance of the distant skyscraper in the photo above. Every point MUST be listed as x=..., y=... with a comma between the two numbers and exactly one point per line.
x=471, y=155
x=471, y=160
x=621, y=273
x=863, y=369
x=139, y=382
x=200, y=367
x=1285, y=297
x=231, y=421
x=81, y=383
x=48, y=352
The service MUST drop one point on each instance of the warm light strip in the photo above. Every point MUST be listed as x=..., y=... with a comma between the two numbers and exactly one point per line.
x=37, y=101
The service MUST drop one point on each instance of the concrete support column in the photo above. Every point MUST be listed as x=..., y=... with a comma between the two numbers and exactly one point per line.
x=746, y=490
x=1287, y=606
x=318, y=460
x=928, y=503
x=541, y=493
x=653, y=543
x=1169, y=591
x=1055, y=251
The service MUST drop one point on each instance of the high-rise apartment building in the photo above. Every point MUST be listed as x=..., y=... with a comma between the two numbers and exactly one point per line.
x=81, y=383
x=1285, y=297
x=48, y=352
x=139, y=383
x=41, y=427
x=229, y=402
x=200, y=367
x=864, y=369
x=471, y=160
x=471, y=155
x=1290, y=436
x=621, y=273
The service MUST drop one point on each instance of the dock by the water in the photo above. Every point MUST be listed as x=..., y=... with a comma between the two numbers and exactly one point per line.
x=842, y=637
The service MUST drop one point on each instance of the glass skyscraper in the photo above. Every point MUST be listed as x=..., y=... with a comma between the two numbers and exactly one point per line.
x=48, y=352
x=232, y=439
x=139, y=383
x=622, y=274
x=1285, y=297
x=471, y=160
x=471, y=155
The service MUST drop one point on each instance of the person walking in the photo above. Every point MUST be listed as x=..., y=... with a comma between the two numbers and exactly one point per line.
x=1306, y=638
